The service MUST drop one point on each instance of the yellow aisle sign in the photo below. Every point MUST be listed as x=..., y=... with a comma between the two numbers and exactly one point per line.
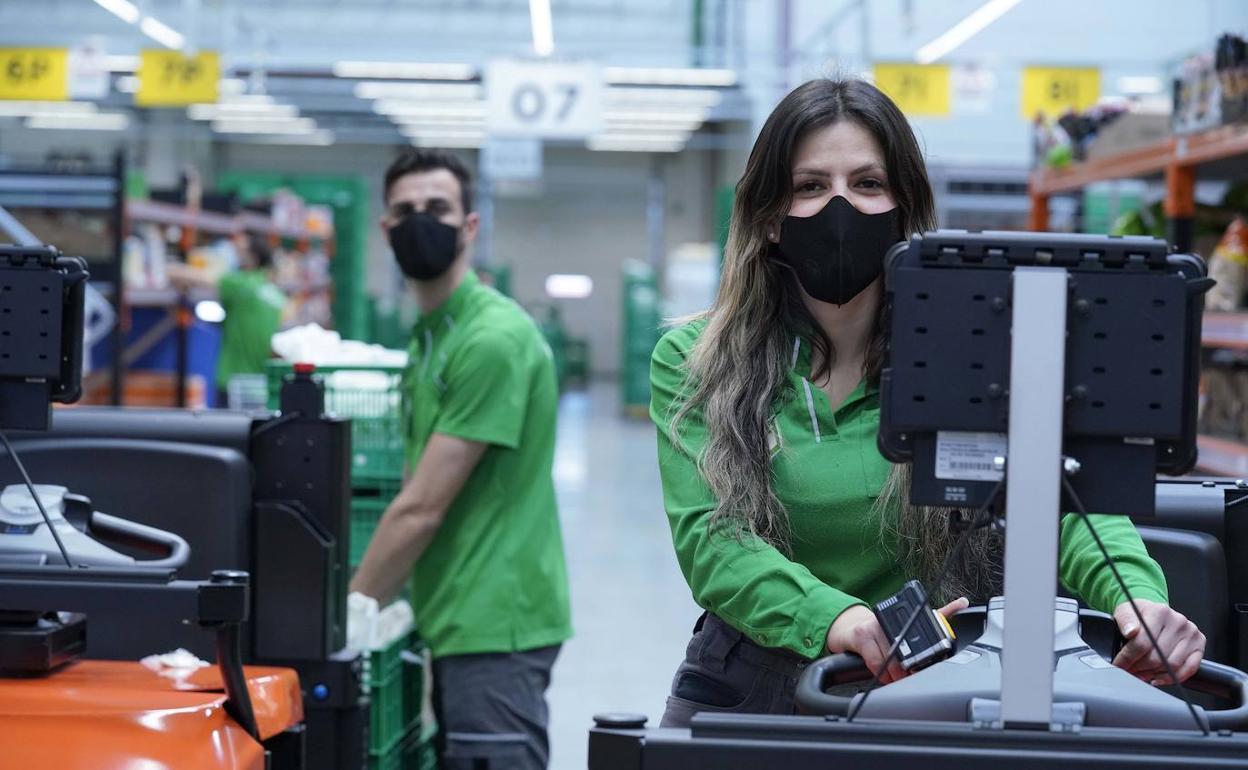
x=171, y=79
x=34, y=74
x=1054, y=90
x=918, y=89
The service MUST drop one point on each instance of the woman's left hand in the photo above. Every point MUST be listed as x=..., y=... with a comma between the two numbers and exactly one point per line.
x=1178, y=639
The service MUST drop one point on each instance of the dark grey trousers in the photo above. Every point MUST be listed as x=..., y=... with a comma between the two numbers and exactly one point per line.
x=724, y=671
x=491, y=709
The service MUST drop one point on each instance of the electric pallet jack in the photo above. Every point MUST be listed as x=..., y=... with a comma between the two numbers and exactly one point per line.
x=55, y=709
x=1029, y=374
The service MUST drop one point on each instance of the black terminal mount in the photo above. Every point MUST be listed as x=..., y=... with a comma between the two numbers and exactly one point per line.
x=41, y=322
x=1133, y=310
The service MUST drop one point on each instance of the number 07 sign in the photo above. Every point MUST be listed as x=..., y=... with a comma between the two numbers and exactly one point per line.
x=543, y=100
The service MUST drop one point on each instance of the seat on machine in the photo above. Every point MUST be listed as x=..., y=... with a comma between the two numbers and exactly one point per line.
x=1195, y=568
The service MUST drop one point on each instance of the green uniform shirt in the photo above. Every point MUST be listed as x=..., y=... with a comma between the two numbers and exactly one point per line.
x=493, y=578
x=253, y=311
x=827, y=471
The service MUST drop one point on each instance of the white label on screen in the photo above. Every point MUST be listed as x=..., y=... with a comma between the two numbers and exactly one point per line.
x=965, y=456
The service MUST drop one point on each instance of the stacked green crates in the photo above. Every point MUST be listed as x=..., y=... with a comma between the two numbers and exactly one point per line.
x=370, y=396
x=398, y=735
x=642, y=321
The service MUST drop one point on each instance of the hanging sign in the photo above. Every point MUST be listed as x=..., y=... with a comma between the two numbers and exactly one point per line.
x=543, y=100
x=1054, y=90
x=172, y=79
x=920, y=90
x=34, y=74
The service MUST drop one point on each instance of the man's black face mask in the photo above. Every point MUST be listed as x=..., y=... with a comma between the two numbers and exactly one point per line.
x=423, y=246
x=838, y=252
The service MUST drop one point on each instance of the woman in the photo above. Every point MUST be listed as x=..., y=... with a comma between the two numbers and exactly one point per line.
x=787, y=521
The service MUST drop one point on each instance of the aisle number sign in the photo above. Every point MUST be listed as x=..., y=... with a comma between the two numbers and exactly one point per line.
x=172, y=79
x=919, y=90
x=1054, y=90
x=34, y=74
x=543, y=100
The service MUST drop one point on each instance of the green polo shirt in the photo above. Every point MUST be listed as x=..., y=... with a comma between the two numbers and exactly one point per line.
x=827, y=471
x=493, y=578
x=253, y=312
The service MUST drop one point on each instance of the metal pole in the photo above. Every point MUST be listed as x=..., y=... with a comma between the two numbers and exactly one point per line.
x=1033, y=494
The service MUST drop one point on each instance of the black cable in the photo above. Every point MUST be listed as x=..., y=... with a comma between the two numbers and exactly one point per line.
x=1083, y=513
x=950, y=558
x=30, y=485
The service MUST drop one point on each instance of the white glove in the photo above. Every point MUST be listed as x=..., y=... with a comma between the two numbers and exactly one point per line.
x=362, y=613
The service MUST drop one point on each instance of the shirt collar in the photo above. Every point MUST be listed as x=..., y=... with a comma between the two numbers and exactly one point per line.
x=800, y=365
x=454, y=303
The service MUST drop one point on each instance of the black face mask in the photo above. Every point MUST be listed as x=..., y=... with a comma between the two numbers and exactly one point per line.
x=423, y=246
x=839, y=251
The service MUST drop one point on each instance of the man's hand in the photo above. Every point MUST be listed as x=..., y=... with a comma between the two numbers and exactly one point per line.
x=1178, y=639
x=857, y=630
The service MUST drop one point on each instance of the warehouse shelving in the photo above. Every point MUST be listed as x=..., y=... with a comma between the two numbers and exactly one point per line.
x=1219, y=154
x=178, y=303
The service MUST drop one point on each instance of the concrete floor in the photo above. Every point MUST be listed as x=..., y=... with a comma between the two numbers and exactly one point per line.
x=631, y=609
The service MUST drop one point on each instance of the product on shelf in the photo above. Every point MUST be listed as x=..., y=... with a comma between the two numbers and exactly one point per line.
x=1228, y=266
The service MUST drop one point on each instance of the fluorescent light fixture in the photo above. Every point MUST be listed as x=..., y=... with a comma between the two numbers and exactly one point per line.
x=404, y=70
x=661, y=137
x=122, y=63
x=964, y=30
x=103, y=121
x=374, y=89
x=668, y=115
x=543, y=27
x=209, y=311
x=122, y=9
x=395, y=108
x=1139, y=84
x=642, y=126
x=450, y=144
x=231, y=86
x=443, y=133
x=601, y=144
x=670, y=76
x=18, y=109
x=162, y=33
x=256, y=125
x=565, y=286
x=128, y=84
x=229, y=111
x=673, y=97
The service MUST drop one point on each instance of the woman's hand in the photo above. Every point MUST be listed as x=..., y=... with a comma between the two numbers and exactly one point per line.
x=857, y=630
x=1178, y=639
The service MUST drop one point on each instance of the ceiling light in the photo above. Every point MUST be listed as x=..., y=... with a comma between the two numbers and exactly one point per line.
x=231, y=86
x=449, y=144
x=122, y=9
x=373, y=89
x=600, y=144
x=393, y=108
x=227, y=111
x=691, y=97
x=543, y=27
x=564, y=286
x=161, y=33
x=642, y=126
x=444, y=133
x=1139, y=84
x=122, y=63
x=698, y=115
x=404, y=70
x=964, y=30
x=256, y=125
x=670, y=76
x=18, y=109
x=103, y=121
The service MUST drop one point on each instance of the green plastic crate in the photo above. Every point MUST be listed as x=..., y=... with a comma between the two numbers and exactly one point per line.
x=394, y=759
x=365, y=513
x=413, y=662
x=420, y=753
x=384, y=677
x=370, y=396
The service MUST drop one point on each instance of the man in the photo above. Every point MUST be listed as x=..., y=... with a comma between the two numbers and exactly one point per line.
x=475, y=524
x=254, y=307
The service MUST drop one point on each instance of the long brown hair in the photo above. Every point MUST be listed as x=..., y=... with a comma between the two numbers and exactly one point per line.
x=739, y=369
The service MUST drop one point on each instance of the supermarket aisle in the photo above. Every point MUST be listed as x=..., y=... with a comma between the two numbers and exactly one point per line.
x=631, y=609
